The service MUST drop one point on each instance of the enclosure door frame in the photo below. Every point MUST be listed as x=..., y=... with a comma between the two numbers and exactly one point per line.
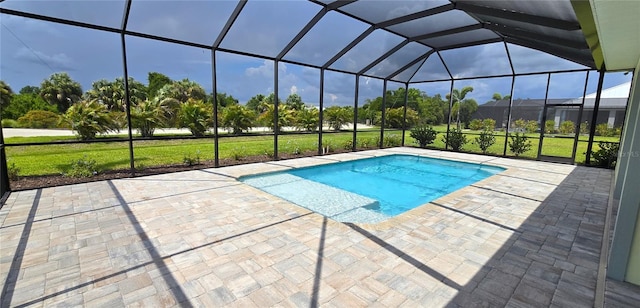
x=559, y=159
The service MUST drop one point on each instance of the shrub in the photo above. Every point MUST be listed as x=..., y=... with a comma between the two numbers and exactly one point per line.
x=39, y=119
x=549, y=126
x=192, y=161
x=485, y=140
x=584, y=128
x=348, y=145
x=393, y=117
x=292, y=147
x=140, y=167
x=375, y=142
x=455, y=139
x=238, y=153
x=617, y=131
x=328, y=146
x=82, y=168
x=269, y=153
x=476, y=124
x=366, y=143
x=531, y=126
x=603, y=129
x=390, y=141
x=424, y=135
x=489, y=124
x=7, y=123
x=567, y=127
x=13, y=171
x=607, y=155
x=519, y=125
x=519, y=144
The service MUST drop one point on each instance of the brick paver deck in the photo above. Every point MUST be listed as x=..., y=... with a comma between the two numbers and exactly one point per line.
x=530, y=236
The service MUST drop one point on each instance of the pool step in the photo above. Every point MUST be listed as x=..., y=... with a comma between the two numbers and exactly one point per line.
x=335, y=203
x=361, y=215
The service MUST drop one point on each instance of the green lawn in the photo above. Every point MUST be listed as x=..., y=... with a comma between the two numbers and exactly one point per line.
x=56, y=158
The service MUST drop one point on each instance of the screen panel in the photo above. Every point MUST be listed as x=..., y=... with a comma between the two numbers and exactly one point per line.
x=434, y=23
x=398, y=59
x=376, y=11
x=477, y=61
x=198, y=22
x=328, y=37
x=263, y=28
x=367, y=51
x=96, y=12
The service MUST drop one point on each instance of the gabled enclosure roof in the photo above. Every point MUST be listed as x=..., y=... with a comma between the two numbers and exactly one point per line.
x=385, y=39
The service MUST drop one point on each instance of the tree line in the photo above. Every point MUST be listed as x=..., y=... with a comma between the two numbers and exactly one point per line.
x=59, y=101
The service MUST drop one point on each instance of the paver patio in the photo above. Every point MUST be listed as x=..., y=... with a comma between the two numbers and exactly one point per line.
x=530, y=236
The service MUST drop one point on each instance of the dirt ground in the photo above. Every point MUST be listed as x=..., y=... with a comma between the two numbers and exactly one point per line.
x=33, y=182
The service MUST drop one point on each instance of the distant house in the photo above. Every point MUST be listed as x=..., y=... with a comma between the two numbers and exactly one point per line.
x=613, y=103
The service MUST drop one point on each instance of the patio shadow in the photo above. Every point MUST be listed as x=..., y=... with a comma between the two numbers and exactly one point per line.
x=552, y=258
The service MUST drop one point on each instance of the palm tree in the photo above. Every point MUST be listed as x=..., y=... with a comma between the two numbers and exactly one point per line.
x=294, y=101
x=497, y=96
x=111, y=93
x=149, y=115
x=458, y=98
x=307, y=119
x=196, y=116
x=60, y=90
x=285, y=115
x=182, y=91
x=237, y=118
x=337, y=116
x=5, y=94
x=89, y=118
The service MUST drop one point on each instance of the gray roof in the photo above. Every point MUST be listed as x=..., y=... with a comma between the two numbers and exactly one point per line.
x=605, y=103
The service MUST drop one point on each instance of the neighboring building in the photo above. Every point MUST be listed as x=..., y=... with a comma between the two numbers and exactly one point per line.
x=613, y=103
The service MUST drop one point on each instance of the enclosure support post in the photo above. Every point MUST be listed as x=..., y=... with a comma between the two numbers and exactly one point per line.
x=128, y=105
x=5, y=188
x=404, y=111
x=216, y=151
x=276, y=127
x=446, y=144
x=384, y=102
x=506, y=132
x=321, y=113
x=355, y=115
x=594, y=116
x=513, y=81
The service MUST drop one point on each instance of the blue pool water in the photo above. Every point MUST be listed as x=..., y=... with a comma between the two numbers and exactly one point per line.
x=373, y=189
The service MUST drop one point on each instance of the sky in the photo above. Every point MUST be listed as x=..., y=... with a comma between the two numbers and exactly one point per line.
x=32, y=50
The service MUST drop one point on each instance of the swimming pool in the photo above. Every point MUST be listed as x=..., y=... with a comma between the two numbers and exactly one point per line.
x=372, y=189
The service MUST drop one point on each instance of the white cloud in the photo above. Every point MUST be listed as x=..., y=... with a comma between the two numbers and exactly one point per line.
x=264, y=70
x=25, y=26
x=167, y=25
x=59, y=61
x=333, y=97
x=293, y=90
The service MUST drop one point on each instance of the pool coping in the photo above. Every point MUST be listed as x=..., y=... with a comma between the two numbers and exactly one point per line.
x=239, y=171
